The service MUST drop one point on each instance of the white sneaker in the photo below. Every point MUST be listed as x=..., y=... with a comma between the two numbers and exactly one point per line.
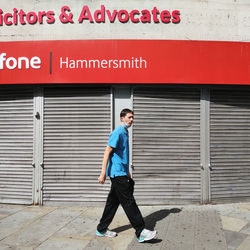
x=146, y=235
x=107, y=233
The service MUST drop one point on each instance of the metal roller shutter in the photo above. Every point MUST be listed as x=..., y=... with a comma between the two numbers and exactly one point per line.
x=166, y=145
x=230, y=144
x=16, y=145
x=77, y=123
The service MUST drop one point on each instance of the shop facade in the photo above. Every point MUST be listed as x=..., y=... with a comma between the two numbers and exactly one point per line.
x=64, y=78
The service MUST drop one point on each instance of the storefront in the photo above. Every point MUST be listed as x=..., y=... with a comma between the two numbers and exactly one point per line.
x=67, y=71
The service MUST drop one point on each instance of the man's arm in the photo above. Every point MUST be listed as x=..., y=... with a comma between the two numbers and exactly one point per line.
x=105, y=160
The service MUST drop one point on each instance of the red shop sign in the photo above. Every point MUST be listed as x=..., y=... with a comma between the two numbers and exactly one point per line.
x=125, y=61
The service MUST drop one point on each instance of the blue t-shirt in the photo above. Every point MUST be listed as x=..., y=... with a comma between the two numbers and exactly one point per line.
x=118, y=164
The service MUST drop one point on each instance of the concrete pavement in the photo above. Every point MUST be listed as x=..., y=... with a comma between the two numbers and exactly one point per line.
x=215, y=227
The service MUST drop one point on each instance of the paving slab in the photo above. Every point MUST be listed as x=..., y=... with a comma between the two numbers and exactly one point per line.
x=54, y=243
x=246, y=229
x=78, y=228
x=245, y=245
x=40, y=230
x=224, y=210
x=99, y=245
x=240, y=213
x=8, y=247
x=186, y=229
x=233, y=224
x=7, y=210
x=21, y=218
x=234, y=239
x=95, y=212
x=208, y=232
x=245, y=206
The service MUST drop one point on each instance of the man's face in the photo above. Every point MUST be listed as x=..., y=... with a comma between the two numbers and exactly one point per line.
x=128, y=119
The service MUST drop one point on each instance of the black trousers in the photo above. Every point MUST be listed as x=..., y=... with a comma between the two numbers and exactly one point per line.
x=121, y=192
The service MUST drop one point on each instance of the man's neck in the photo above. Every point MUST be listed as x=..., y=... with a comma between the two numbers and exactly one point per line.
x=124, y=125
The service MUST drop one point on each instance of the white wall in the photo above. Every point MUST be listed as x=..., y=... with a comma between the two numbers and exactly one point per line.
x=221, y=20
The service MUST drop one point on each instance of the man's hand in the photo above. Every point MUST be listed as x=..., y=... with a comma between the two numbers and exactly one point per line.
x=102, y=178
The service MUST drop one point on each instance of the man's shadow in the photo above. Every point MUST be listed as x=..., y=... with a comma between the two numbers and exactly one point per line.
x=151, y=220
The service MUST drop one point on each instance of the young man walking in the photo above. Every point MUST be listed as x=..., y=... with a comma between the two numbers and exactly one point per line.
x=116, y=165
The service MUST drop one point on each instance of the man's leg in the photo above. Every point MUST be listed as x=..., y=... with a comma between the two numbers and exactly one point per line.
x=110, y=209
x=124, y=188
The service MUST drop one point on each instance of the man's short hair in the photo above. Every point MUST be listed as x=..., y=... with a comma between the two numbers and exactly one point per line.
x=124, y=112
